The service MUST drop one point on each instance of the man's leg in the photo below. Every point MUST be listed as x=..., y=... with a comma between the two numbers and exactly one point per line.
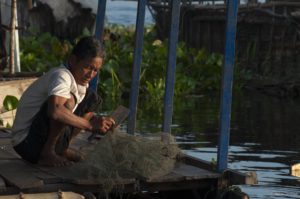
x=48, y=155
x=56, y=130
x=90, y=104
x=30, y=148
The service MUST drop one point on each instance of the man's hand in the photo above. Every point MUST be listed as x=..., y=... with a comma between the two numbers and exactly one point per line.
x=102, y=124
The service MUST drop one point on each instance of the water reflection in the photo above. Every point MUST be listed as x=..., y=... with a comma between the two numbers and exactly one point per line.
x=264, y=137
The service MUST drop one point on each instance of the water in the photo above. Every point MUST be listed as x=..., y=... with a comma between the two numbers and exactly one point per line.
x=264, y=138
x=124, y=12
x=264, y=130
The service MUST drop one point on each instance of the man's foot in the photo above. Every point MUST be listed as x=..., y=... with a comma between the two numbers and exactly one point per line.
x=53, y=161
x=72, y=155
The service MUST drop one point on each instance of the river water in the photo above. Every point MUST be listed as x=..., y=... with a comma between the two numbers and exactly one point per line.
x=264, y=137
x=265, y=130
x=124, y=12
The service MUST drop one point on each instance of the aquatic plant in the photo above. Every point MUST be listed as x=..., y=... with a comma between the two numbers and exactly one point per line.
x=10, y=103
x=197, y=70
x=39, y=53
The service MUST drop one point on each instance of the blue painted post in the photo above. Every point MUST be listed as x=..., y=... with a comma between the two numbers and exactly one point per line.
x=137, y=60
x=171, y=68
x=227, y=81
x=99, y=34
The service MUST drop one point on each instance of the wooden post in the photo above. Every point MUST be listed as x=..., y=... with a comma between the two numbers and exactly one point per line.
x=171, y=66
x=227, y=81
x=99, y=34
x=137, y=61
x=12, y=37
x=3, y=52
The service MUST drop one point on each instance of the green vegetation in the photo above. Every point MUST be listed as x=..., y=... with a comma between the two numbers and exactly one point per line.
x=197, y=70
x=10, y=103
x=39, y=53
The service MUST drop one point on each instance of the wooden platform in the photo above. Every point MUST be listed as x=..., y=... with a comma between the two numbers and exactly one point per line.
x=18, y=176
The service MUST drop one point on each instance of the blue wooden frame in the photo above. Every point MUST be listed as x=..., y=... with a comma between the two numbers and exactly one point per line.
x=227, y=82
x=99, y=34
x=171, y=66
x=137, y=61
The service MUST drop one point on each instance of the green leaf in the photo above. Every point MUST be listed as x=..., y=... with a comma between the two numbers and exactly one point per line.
x=10, y=102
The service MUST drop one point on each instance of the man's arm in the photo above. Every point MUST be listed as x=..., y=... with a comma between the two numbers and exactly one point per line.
x=59, y=109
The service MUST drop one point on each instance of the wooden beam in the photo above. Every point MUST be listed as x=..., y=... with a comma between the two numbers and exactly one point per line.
x=295, y=170
x=233, y=177
x=19, y=174
x=2, y=184
x=59, y=194
x=198, y=162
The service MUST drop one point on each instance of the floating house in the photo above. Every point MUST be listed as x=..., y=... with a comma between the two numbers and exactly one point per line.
x=268, y=38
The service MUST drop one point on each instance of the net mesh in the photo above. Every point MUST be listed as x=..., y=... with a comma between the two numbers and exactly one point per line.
x=122, y=156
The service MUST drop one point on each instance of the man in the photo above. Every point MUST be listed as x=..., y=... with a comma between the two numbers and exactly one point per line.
x=57, y=106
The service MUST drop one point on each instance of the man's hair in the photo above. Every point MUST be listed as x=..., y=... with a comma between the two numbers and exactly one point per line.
x=88, y=47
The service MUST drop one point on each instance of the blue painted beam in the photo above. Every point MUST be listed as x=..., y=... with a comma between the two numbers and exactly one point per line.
x=100, y=19
x=137, y=60
x=99, y=34
x=227, y=82
x=171, y=66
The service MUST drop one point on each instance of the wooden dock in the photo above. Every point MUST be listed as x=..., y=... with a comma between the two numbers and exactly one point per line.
x=190, y=176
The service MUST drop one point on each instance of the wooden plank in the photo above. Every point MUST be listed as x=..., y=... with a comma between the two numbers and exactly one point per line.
x=5, y=142
x=52, y=195
x=19, y=174
x=295, y=170
x=5, y=132
x=4, y=155
x=198, y=162
x=48, y=178
x=170, y=177
x=6, y=149
x=179, y=185
x=230, y=177
x=233, y=177
x=2, y=185
x=75, y=175
x=183, y=171
x=194, y=173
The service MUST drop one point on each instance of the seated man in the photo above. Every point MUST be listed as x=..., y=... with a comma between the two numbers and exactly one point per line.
x=57, y=106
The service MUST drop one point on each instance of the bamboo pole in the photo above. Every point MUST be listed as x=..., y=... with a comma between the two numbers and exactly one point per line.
x=12, y=37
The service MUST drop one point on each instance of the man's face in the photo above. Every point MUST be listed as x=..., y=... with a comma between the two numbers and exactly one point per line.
x=84, y=70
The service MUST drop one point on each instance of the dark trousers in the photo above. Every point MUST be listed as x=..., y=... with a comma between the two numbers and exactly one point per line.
x=30, y=148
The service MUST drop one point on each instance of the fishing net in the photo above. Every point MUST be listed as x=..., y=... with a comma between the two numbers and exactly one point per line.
x=120, y=155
